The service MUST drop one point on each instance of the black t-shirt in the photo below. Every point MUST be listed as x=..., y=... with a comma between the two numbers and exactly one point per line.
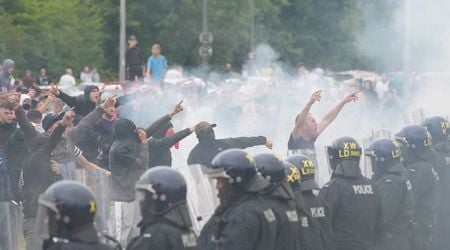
x=300, y=143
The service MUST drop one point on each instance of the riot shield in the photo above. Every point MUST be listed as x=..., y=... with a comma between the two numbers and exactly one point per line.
x=201, y=198
x=415, y=117
x=8, y=229
x=99, y=184
x=366, y=163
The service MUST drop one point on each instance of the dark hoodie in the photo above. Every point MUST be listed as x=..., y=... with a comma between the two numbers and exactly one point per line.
x=37, y=173
x=171, y=230
x=128, y=159
x=83, y=104
x=159, y=146
x=208, y=146
x=5, y=76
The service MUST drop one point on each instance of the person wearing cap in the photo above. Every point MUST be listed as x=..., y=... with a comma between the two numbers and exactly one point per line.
x=208, y=146
x=417, y=153
x=134, y=60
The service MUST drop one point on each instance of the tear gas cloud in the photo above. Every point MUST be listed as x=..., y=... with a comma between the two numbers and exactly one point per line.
x=265, y=100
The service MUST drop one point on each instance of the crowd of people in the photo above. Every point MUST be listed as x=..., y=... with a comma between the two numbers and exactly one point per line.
x=264, y=202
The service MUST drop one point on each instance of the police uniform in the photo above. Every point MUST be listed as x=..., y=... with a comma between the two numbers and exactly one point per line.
x=166, y=224
x=86, y=239
x=280, y=198
x=397, y=205
x=439, y=130
x=441, y=162
x=316, y=208
x=394, y=191
x=352, y=198
x=165, y=235
x=248, y=223
x=243, y=220
x=416, y=151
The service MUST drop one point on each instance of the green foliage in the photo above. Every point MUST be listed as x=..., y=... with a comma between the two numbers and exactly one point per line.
x=52, y=33
x=72, y=33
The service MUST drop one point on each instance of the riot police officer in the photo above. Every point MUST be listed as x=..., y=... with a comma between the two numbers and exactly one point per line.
x=352, y=198
x=309, y=190
x=243, y=219
x=65, y=218
x=439, y=129
x=166, y=225
x=415, y=144
x=280, y=198
x=394, y=191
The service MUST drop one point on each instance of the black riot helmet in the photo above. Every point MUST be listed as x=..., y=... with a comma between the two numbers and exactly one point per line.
x=415, y=141
x=292, y=175
x=439, y=129
x=238, y=167
x=162, y=188
x=307, y=171
x=270, y=167
x=383, y=153
x=65, y=207
x=344, y=149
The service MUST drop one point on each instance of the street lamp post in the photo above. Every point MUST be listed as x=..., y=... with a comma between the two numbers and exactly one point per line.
x=122, y=40
x=206, y=38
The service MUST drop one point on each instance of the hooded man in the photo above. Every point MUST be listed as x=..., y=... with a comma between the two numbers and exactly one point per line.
x=25, y=101
x=161, y=142
x=128, y=159
x=6, y=75
x=208, y=146
x=84, y=104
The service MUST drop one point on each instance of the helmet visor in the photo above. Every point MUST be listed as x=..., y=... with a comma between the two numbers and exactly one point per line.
x=44, y=229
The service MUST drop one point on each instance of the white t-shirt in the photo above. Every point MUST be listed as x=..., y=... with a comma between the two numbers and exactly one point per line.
x=67, y=81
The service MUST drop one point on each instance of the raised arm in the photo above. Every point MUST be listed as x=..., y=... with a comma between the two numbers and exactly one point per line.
x=246, y=142
x=163, y=120
x=301, y=118
x=43, y=108
x=77, y=133
x=169, y=141
x=28, y=129
x=70, y=101
x=331, y=116
x=52, y=142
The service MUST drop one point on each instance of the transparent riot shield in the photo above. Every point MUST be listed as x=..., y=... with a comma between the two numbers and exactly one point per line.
x=382, y=133
x=99, y=184
x=415, y=117
x=202, y=199
x=8, y=227
x=366, y=163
